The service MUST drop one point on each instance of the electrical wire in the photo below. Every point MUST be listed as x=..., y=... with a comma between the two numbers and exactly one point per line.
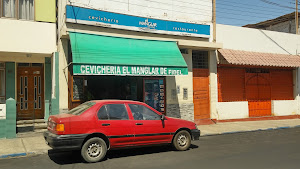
x=244, y=7
x=223, y=7
x=247, y=4
x=276, y=4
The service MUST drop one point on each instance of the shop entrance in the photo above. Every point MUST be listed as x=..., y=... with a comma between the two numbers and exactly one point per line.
x=30, y=91
x=114, y=87
x=258, y=94
x=143, y=89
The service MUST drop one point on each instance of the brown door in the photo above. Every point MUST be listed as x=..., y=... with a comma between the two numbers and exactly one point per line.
x=30, y=91
x=201, y=94
x=258, y=94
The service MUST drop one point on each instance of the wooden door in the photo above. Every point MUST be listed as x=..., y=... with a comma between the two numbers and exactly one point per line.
x=30, y=91
x=201, y=93
x=258, y=94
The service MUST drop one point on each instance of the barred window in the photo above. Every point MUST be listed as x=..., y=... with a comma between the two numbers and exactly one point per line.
x=200, y=59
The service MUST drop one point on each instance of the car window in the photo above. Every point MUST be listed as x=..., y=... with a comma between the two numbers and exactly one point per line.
x=81, y=108
x=113, y=112
x=140, y=112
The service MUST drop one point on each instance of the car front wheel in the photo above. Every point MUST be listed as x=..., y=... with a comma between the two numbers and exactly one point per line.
x=182, y=140
x=94, y=150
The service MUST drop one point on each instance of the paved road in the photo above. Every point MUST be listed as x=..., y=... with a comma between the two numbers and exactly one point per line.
x=275, y=149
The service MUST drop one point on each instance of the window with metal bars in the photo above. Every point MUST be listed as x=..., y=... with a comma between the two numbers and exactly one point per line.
x=200, y=59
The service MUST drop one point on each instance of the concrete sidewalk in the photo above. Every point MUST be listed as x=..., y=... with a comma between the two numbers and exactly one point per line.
x=247, y=126
x=34, y=143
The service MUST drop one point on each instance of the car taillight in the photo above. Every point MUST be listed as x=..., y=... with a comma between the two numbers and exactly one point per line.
x=60, y=127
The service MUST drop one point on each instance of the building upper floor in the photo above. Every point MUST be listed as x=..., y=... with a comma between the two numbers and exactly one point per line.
x=28, y=26
x=29, y=10
x=188, y=23
x=199, y=11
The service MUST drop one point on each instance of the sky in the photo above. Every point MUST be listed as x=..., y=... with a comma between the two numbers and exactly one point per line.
x=243, y=12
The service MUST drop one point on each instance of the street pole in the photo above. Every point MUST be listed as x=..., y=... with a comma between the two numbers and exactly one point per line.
x=214, y=21
x=296, y=17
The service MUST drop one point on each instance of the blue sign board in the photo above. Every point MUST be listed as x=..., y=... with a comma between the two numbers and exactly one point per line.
x=128, y=22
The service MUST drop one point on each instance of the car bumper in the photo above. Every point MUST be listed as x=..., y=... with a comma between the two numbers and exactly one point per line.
x=55, y=141
x=195, y=134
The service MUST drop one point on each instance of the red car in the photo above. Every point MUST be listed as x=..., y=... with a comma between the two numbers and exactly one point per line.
x=96, y=126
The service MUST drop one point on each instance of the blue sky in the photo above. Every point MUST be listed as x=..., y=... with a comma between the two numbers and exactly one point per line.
x=243, y=12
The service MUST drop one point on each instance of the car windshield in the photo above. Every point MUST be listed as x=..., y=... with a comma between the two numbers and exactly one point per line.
x=81, y=108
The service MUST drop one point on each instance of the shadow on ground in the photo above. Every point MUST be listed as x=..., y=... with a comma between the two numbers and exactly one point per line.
x=71, y=157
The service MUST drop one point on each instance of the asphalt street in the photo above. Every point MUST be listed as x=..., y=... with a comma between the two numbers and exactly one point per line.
x=274, y=149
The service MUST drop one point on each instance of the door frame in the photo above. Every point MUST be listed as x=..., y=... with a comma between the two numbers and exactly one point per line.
x=42, y=94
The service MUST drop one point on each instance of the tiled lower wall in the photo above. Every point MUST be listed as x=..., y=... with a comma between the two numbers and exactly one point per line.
x=184, y=111
x=2, y=129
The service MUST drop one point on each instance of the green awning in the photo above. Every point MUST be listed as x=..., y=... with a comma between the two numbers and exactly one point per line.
x=105, y=55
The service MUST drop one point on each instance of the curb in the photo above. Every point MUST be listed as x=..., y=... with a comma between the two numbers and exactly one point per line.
x=245, y=131
x=13, y=155
x=17, y=155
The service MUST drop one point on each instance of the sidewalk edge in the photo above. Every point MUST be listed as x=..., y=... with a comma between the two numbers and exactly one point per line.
x=13, y=155
x=245, y=131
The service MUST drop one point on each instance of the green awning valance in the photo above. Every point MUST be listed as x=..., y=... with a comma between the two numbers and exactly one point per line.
x=104, y=55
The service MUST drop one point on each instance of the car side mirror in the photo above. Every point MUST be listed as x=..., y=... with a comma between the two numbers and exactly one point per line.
x=162, y=117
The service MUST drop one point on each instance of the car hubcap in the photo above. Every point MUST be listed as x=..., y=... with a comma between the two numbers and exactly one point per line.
x=94, y=150
x=182, y=140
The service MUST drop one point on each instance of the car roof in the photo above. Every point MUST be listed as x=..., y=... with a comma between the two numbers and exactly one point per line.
x=116, y=101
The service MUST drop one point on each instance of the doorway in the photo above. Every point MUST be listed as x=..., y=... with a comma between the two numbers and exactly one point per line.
x=30, y=91
x=201, y=85
x=258, y=94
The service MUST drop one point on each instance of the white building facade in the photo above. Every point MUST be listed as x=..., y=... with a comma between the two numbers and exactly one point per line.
x=185, y=29
x=264, y=75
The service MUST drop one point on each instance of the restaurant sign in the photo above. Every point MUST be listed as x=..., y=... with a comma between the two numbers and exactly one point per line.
x=128, y=22
x=79, y=69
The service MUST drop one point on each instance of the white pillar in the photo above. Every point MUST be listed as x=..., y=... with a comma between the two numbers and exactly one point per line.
x=213, y=87
x=296, y=78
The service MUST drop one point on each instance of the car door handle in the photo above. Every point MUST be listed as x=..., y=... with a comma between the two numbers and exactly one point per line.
x=138, y=124
x=105, y=124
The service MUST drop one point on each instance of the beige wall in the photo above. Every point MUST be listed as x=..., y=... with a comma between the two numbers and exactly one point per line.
x=182, y=81
x=255, y=40
x=22, y=57
x=63, y=75
x=213, y=84
x=232, y=110
x=27, y=36
x=284, y=107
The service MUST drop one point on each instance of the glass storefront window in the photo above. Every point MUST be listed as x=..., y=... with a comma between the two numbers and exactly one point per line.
x=154, y=94
x=2, y=83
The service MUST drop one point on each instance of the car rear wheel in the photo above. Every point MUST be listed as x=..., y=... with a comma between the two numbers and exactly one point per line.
x=182, y=140
x=94, y=150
